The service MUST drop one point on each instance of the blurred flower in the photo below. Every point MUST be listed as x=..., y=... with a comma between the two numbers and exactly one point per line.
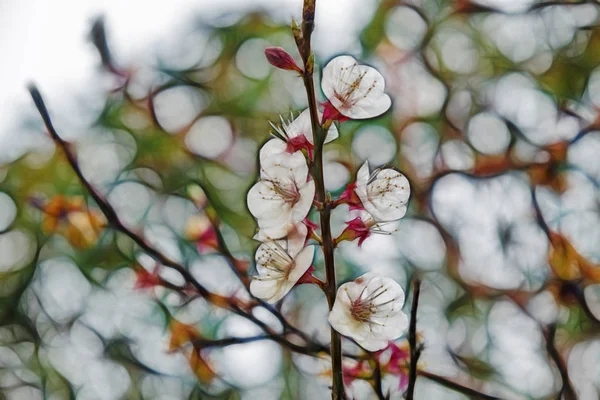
x=395, y=360
x=280, y=58
x=284, y=194
x=197, y=195
x=280, y=265
x=199, y=229
x=146, y=279
x=181, y=334
x=201, y=368
x=383, y=193
x=355, y=369
x=362, y=227
x=70, y=217
x=353, y=91
x=369, y=310
x=298, y=133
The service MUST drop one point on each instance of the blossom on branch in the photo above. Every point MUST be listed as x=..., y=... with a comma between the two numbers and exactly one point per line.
x=284, y=194
x=369, y=310
x=298, y=133
x=383, y=193
x=362, y=226
x=278, y=57
x=353, y=91
x=280, y=265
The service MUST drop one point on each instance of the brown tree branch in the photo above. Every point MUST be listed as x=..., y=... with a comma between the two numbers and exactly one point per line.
x=308, y=15
x=111, y=215
x=567, y=388
x=415, y=348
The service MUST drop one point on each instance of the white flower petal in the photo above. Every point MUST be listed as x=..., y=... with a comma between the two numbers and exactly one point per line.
x=302, y=207
x=268, y=290
x=373, y=344
x=304, y=260
x=384, y=195
x=369, y=310
x=362, y=177
x=303, y=126
x=284, y=166
x=263, y=205
x=271, y=148
x=269, y=229
x=296, y=238
x=356, y=91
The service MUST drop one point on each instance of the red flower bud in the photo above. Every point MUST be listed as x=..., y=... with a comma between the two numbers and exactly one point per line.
x=298, y=143
x=356, y=229
x=280, y=58
x=351, y=198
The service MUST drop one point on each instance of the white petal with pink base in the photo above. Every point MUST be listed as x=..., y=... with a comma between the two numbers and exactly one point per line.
x=356, y=91
x=369, y=310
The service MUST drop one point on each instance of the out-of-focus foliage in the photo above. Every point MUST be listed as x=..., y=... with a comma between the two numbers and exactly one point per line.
x=494, y=122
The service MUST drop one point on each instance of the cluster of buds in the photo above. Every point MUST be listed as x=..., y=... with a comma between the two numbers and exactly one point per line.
x=369, y=309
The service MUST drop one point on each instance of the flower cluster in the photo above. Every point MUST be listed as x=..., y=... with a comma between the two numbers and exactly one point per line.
x=368, y=310
x=380, y=198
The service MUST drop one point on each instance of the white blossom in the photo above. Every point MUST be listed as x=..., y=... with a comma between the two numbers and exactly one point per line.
x=383, y=193
x=298, y=133
x=369, y=310
x=356, y=91
x=284, y=194
x=280, y=264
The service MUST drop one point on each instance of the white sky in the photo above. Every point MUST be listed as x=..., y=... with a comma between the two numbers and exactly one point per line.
x=46, y=41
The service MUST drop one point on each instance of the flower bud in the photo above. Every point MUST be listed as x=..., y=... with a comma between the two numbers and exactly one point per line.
x=280, y=58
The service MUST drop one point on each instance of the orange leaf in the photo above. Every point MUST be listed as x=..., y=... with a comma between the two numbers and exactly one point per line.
x=201, y=368
x=181, y=334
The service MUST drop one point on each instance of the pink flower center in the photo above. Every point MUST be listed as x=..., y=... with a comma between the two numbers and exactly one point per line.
x=298, y=143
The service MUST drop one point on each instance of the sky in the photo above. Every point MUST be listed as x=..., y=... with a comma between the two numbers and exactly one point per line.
x=47, y=42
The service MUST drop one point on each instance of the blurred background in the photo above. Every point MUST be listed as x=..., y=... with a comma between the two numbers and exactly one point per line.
x=494, y=121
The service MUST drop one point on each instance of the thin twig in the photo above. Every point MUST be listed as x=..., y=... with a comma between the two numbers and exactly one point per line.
x=567, y=388
x=472, y=393
x=308, y=15
x=111, y=215
x=376, y=382
x=415, y=348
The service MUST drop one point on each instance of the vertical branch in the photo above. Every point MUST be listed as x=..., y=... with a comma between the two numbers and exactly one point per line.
x=376, y=383
x=567, y=388
x=415, y=349
x=304, y=47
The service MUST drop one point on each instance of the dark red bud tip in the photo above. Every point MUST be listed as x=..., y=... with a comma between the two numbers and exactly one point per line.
x=280, y=58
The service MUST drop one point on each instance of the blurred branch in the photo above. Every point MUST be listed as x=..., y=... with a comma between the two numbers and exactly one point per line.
x=472, y=393
x=567, y=388
x=319, y=133
x=415, y=348
x=98, y=38
x=220, y=301
x=376, y=382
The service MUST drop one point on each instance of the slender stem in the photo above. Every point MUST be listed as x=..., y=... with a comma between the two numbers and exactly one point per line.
x=112, y=216
x=308, y=15
x=415, y=349
x=472, y=393
x=376, y=382
x=567, y=388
